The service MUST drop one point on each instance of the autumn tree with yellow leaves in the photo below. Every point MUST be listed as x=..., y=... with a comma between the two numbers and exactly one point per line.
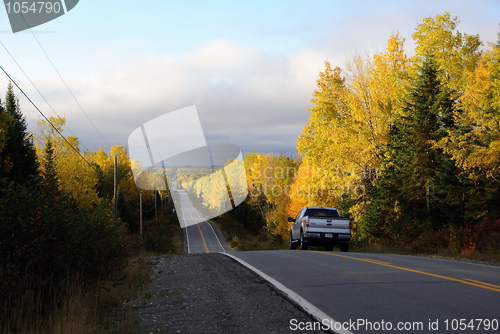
x=373, y=149
x=76, y=177
x=455, y=53
x=348, y=129
x=90, y=181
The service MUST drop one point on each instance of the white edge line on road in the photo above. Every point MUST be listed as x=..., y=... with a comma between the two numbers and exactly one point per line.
x=187, y=239
x=216, y=235
x=309, y=308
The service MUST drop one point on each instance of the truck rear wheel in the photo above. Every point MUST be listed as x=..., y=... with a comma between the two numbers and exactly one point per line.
x=303, y=244
x=344, y=247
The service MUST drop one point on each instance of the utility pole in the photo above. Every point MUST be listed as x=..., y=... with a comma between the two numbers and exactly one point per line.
x=156, y=218
x=115, y=193
x=140, y=210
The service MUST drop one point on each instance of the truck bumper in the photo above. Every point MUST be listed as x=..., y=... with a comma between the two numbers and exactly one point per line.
x=320, y=238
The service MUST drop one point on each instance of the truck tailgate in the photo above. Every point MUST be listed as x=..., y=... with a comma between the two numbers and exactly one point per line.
x=325, y=223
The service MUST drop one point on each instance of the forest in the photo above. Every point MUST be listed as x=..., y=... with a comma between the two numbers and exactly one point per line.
x=56, y=211
x=409, y=148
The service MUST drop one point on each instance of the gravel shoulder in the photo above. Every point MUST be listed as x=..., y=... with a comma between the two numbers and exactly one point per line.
x=211, y=293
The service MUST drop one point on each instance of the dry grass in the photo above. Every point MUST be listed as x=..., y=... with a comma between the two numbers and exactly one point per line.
x=45, y=309
x=75, y=309
x=72, y=310
x=78, y=309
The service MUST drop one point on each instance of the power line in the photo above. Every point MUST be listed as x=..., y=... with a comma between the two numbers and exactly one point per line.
x=149, y=210
x=69, y=90
x=38, y=90
x=34, y=105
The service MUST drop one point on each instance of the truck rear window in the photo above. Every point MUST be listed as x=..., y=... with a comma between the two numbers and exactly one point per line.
x=321, y=213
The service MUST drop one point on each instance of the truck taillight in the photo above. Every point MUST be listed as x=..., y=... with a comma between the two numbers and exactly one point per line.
x=350, y=225
x=307, y=222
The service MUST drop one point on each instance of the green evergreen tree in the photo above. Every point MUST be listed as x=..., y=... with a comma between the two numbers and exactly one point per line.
x=5, y=121
x=50, y=182
x=124, y=212
x=418, y=186
x=18, y=159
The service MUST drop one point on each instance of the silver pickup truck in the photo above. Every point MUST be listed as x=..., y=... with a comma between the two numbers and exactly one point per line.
x=320, y=226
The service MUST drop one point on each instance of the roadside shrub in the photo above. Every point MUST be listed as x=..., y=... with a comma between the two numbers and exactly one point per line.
x=157, y=242
x=45, y=238
x=164, y=237
x=488, y=236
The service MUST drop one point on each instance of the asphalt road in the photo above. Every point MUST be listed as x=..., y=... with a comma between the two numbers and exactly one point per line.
x=418, y=294
x=373, y=293
x=200, y=236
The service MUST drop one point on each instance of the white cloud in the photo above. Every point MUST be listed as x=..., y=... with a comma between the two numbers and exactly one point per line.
x=214, y=56
x=244, y=96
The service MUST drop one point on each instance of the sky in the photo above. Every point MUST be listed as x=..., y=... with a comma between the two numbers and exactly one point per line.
x=249, y=68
